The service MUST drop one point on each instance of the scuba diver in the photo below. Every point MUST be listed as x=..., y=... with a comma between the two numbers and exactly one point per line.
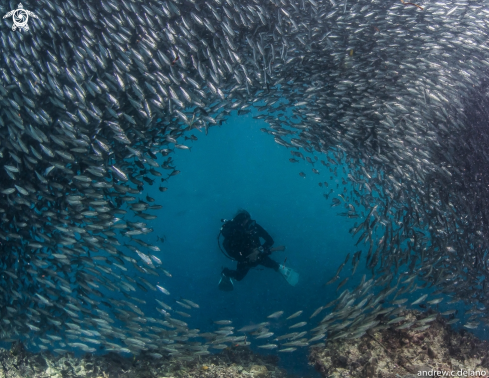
x=242, y=244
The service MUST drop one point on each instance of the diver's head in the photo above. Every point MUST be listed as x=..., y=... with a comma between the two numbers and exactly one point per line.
x=242, y=217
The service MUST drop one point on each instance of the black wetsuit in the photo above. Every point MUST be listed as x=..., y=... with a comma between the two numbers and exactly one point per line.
x=241, y=244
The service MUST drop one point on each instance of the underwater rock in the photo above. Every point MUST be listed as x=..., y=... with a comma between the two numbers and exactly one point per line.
x=403, y=353
x=259, y=371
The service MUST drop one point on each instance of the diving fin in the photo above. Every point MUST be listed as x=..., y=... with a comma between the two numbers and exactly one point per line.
x=290, y=275
x=226, y=283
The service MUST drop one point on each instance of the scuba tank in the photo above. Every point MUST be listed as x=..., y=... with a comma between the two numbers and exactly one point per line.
x=226, y=231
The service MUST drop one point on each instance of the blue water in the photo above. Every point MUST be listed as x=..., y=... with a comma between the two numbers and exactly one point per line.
x=238, y=166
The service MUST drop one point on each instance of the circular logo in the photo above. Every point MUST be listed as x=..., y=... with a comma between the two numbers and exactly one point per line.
x=20, y=18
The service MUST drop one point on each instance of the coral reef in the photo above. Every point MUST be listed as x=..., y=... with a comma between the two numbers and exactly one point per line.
x=230, y=363
x=389, y=353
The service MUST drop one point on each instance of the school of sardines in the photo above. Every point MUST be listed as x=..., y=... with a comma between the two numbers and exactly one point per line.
x=96, y=91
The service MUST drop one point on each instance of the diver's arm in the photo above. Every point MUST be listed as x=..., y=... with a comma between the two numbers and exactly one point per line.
x=260, y=232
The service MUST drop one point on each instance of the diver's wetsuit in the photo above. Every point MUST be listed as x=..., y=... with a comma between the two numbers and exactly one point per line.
x=241, y=244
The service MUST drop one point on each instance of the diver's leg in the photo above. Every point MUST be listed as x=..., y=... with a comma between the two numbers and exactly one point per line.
x=239, y=273
x=269, y=263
